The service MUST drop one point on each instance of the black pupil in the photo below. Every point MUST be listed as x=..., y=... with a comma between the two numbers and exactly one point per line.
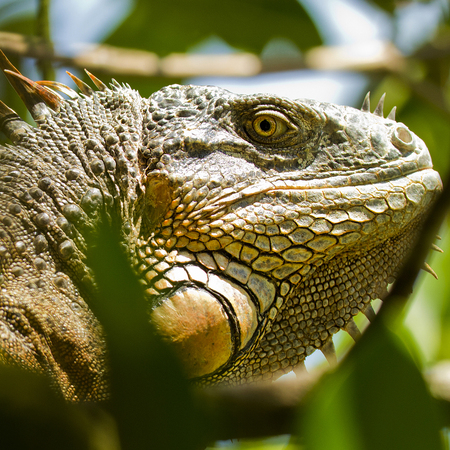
x=265, y=125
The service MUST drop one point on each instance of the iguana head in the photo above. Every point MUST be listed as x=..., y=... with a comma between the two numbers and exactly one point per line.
x=281, y=220
x=258, y=226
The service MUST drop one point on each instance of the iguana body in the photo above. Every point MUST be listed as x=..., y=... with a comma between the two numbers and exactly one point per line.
x=258, y=226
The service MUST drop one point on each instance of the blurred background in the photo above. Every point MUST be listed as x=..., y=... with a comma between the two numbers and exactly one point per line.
x=329, y=50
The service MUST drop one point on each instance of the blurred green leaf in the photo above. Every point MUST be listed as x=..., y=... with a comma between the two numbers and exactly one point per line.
x=387, y=5
x=440, y=292
x=24, y=24
x=32, y=416
x=151, y=400
x=375, y=400
x=397, y=94
x=176, y=25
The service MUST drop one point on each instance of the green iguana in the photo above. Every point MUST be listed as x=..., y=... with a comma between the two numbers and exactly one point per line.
x=259, y=226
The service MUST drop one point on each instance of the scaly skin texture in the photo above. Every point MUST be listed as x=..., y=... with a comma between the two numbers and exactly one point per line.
x=258, y=226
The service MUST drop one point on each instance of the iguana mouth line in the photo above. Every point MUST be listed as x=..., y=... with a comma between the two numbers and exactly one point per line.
x=268, y=188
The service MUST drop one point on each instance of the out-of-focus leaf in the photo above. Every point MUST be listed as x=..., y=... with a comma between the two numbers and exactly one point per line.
x=439, y=291
x=397, y=94
x=25, y=25
x=32, y=416
x=387, y=5
x=176, y=25
x=151, y=400
x=375, y=400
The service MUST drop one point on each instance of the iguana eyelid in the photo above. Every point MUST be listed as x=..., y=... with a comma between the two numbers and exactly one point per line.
x=285, y=128
x=276, y=114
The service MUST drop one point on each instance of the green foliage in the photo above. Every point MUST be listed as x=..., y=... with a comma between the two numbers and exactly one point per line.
x=387, y=5
x=151, y=400
x=443, y=294
x=376, y=399
x=432, y=308
x=31, y=416
x=176, y=26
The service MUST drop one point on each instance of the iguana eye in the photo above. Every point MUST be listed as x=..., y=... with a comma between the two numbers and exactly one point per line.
x=267, y=126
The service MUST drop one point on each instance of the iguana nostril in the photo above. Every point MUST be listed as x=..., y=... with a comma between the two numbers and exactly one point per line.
x=402, y=138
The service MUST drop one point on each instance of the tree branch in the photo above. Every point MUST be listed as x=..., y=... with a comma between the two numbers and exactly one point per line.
x=270, y=409
x=107, y=59
x=256, y=410
x=113, y=60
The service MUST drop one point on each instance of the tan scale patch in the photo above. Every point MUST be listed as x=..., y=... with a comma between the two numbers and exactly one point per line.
x=242, y=304
x=196, y=326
